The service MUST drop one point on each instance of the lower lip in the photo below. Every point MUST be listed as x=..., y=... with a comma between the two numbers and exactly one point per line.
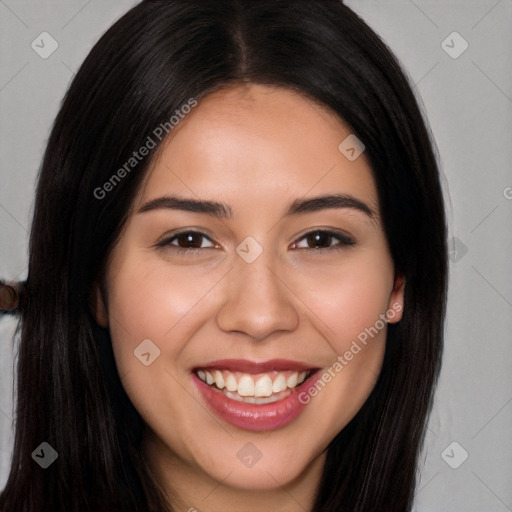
x=253, y=416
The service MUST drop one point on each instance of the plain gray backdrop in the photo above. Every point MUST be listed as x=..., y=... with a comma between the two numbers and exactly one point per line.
x=458, y=56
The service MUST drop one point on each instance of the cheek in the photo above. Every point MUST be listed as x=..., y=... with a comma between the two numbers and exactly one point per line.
x=348, y=305
x=349, y=299
x=148, y=300
x=150, y=308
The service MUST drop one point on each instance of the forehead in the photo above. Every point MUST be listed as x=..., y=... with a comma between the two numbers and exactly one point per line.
x=246, y=142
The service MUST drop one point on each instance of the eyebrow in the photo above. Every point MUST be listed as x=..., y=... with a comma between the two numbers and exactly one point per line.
x=223, y=211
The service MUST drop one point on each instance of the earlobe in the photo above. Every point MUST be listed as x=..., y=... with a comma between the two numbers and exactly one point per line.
x=98, y=306
x=396, y=300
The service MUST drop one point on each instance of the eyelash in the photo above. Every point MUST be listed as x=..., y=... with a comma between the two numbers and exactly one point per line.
x=344, y=241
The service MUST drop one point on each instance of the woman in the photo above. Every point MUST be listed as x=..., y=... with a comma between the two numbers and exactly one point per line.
x=237, y=276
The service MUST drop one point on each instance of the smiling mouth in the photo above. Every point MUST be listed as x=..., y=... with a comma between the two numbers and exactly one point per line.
x=260, y=389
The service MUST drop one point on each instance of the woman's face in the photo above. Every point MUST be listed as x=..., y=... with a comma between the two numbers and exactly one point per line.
x=254, y=258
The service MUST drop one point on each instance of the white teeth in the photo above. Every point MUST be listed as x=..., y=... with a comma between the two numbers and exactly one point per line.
x=219, y=379
x=231, y=383
x=292, y=380
x=279, y=384
x=251, y=399
x=246, y=386
x=266, y=400
x=253, y=389
x=263, y=386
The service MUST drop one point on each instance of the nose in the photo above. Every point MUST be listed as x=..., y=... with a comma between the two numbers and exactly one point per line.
x=258, y=302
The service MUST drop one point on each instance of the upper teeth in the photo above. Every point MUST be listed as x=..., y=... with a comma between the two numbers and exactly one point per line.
x=245, y=384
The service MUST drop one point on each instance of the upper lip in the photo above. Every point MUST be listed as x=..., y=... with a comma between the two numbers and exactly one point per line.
x=253, y=367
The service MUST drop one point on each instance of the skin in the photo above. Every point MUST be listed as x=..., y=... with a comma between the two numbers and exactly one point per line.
x=257, y=149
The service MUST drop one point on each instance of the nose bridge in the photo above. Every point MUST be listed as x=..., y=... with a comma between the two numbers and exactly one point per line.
x=257, y=283
x=252, y=267
x=257, y=303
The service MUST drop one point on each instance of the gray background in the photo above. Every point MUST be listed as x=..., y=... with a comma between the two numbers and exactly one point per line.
x=468, y=102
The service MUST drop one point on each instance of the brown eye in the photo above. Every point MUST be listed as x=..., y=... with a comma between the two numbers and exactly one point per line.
x=187, y=241
x=321, y=239
x=191, y=239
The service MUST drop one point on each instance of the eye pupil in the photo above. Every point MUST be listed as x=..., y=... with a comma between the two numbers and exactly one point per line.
x=189, y=239
x=319, y=238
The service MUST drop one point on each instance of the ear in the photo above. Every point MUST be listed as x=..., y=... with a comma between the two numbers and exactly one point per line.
x=396, y=299
x=99, y=305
